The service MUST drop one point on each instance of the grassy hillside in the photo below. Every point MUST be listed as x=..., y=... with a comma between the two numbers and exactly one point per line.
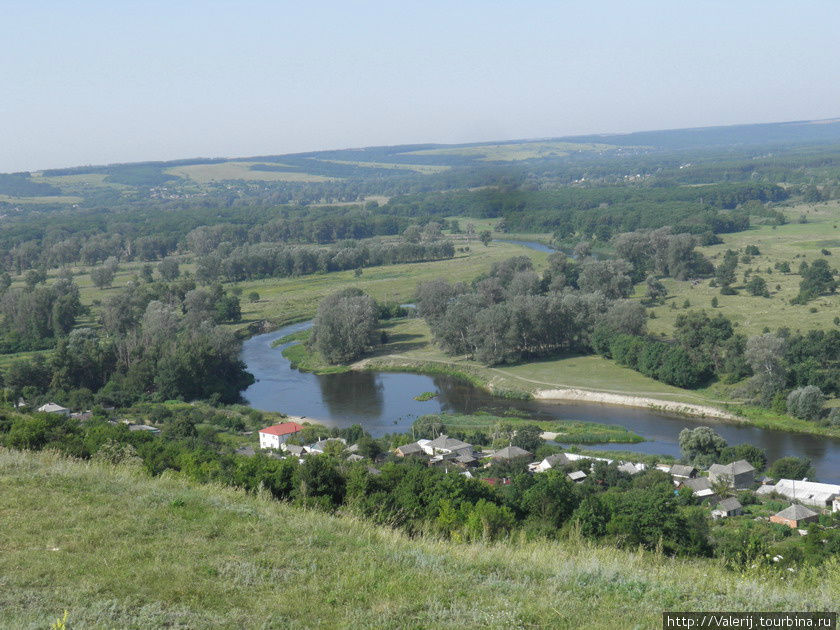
x=117, y=549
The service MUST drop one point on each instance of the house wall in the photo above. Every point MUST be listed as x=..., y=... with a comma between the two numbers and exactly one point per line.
x=267, y=440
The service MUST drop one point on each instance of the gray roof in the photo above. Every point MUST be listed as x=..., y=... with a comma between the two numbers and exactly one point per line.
x=729, y=504
x=355, y=458
x=510, y=452
x=796, y=512
x=413, y=447
x=735, y=468
x=558, y=459
x=296, y=449
x=320, y=445
x=578, y=474
x=698, y=483
x=463, y=458
x=448, y=443
x=681, y=470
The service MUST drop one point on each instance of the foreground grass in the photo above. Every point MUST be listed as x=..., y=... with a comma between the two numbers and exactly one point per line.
x=117, y=549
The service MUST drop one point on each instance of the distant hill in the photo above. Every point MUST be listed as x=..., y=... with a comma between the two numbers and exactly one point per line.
x=117, y=549
x=413, y=164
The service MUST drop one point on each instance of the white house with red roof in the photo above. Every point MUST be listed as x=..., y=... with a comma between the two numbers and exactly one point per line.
x=277, y=434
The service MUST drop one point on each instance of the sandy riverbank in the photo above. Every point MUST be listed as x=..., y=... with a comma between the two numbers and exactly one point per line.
x=583, y=395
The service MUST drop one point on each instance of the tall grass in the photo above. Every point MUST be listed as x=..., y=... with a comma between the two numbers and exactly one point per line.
x=117, y=549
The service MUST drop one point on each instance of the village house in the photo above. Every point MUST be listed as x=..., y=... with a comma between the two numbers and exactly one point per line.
x=728, y=507
x=143, y=427
x=510, y=453
x=807, y=492
x=320, y=446
x=630, y=468
x=701, y=487
x=740, y=475
x=835, y=504
x=680, y=472
x=794, y=516
x=414, y=449
x=444, y=445
x=276, y=435
x=577, y=476
x=557, y=460
x=52, y=407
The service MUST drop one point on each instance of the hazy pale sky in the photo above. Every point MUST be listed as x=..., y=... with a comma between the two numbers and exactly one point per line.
x=91, y=82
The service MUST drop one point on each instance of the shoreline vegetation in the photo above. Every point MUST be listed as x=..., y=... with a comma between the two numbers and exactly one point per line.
x=572, y=432
x=303, y=358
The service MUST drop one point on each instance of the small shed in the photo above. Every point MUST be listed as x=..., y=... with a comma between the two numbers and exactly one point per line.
x=728, y=507
x=577, y=476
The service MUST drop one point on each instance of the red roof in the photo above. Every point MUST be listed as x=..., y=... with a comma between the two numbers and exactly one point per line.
x=285, y=428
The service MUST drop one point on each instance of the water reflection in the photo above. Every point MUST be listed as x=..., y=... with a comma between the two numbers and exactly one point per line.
x=355, y=394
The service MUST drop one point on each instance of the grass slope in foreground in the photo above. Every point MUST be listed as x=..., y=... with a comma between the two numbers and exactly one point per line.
x=118, y=549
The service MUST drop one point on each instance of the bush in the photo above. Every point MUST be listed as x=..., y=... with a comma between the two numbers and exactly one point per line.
x=805, y=402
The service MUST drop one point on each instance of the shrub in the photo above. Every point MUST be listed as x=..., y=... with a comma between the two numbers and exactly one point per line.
x=805, y=402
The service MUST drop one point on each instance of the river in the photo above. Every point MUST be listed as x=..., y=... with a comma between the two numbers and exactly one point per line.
x=383, y=402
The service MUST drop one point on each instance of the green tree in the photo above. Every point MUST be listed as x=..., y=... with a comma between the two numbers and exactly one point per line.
x=485, y=237
x=345, y=326
x=791, y=468
x=701, y=446
x=757, y=457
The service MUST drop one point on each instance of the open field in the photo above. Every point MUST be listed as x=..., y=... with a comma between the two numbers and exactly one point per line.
x=223, y=171
x=793, y=243
x=116, y=549
x=515, y=151
x=417, y=168
x=285, y=300
x=41, y=200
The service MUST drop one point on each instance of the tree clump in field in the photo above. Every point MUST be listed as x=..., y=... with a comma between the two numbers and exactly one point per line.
x=817, y=279
x=757, y=286
x=103, y=276
x=346, y=326
x=725, y=272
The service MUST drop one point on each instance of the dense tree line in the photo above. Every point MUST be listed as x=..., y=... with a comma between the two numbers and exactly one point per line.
x=279, y=261
x=34, y=317
x=156, y=341
x=513, y=313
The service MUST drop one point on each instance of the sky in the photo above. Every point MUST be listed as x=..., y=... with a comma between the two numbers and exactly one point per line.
x=94, y=82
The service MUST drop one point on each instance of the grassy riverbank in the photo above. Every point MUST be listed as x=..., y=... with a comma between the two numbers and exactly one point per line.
x=115, y=548
x=568, y=431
